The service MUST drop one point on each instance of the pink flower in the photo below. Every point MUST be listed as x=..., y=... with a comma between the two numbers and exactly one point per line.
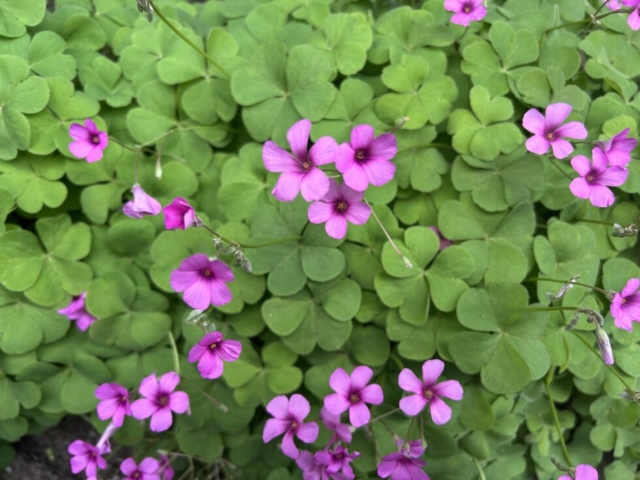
x=634, y=16
x=300, y=172
x=179, y=214
x=444, y=242
x=618, y=149
x=312, y=468
x=332, y=422
x=428, y=392
x=89, y=142
x=352, y=392
x=583, y=472
x=288, y=416
x=211, y=350
x=404, y=465
x=202, y=281
x=466, y=11
x=142, y=204
x=115, y=403
x=165, y=470
x=160, y=400
x=594, y=179
x=340, y=205
x=366, y=160
x=613, y=4
x=625, y=306
x=86, y=457
x=147, y=470
x=604, y=344
x=76, y=311
x=338, y=459
x=549, y=132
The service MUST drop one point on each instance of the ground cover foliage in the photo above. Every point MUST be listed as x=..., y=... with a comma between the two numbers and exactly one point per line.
x=314, y=303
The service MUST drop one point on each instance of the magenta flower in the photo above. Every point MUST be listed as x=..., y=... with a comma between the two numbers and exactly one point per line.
x=618, y=149
x=366, y=160
x=604, y=344
x=634, y=16
x=625, y=306
x=342, y=432
x=203, y=281
x=179, y=214
x=338, y=459
x=466, y=11
x=300, y=172
x=444, y=242
x=142, y=204
x=210, y=352
x=352, y=392
x=147, y=470
x=86, y=457
x=549, y=132
x=594, y=179
x=89, y=142
x=312, y=468
x=583, y=472
x=165, y=470
x=115, y=403
x=288, y=416
x=340, y=205
x=404, y=464
x=160, y=400
x=612, y=4
x=77, y=312
x=428, y=392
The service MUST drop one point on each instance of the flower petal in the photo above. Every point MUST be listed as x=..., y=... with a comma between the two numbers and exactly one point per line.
x=198, y=295
x=440, y=411
x=383, y=148
x=128, y=466
x=273, y=428
x=221, y=271
x=210, y=365
x=179, y=402
x=143, y=408
x=572, y=130
x=379, y=172
x=631, y=287
x=537, y=144
x=407, y=380
x=586, y=472
x=359, y=414
x=298, y=137
x=561, y=148
x=336, y=403
x=372, y=394
x=149, y=465
x=288, y=446
x=230, y=350
x=279, y=407
x=299, y=407
x=356, y=177
x=336, y=226
x=580, y=188
x=431, y=370
x=449, y=389
x=161, y=420
x=600, y=196
x=581, y=164
x=361, y=137
x=555, y=114
x=360, y=377
x=358, y=213
x=81, y=148
x=413, y=404
x=314, y=185
x=613, y=176
x=308, y=432
x=287, y=186
x=277, y=159
x=220, y=293
x=107, y=408
x=149, y=386
x=534, y=122
x=168, y=382
x=94, y=154
x=324, y=151
x=320, y=212
x=180, y=280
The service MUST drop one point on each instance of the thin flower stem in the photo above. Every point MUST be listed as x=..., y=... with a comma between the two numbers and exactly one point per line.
x=384, y=415
x=259, y=245
x=189, y=42
x=557, y=280
x=387, y=427
x=595, y=14
x=593, y=221
x=406, y=436
x=397, y=361
x=124, y=145
x=549, y=309
x=547, y=387
x=480, y=471
x=217, y=403
x=559, y=169
x=176, y=357
x=393, y=244
x=566, y=25
x=422, y=439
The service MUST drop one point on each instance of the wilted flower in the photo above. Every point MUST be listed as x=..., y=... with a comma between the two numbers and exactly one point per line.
x=142, y=204
x=549, y=132
x=210, y=352
x=300, y=172
x=338, y=459
x=312, y=468
x=352, y=392
x=625, y=306
x=466, y=11
x=89, y=142
x=147, y=470
x=634, y=16
x=179, y=214
x=145, y=7
x=595, y=178
x=160, y=400
x=86, y=457
x=77, y=312
x=618, y=149
x=114, y=403
x=288, y=416
x=203, y=281
x=405, y=464
x=583, y=472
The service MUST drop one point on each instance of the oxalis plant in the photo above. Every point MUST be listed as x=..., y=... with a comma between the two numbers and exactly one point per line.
x=322, y=239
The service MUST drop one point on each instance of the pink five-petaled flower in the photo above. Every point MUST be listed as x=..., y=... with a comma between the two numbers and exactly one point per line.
x=288, y=416
x=583, y=472
x=338, y=459
x=312, y=468
x=142, y=204
x=625, y=306
x=331, y=422
x=179, y=214
x=211, y=350
x=466, y=11
x=634, y=16
x=202, y=281
x=77, y=312
x=595, y=178
x=160, y=400
x=147, y=470
x=89, y=142
x=549, y=132
x=300, y=172
x=428, y=392
x=86, y=457
x=352, y=392
x=405, y=464
x=366, y=160
x=340, y=205
x=115, y=403
x=618, y=149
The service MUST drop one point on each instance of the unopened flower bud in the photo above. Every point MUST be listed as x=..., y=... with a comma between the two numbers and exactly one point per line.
x=399, y=124
x=563, y=290
x=604, y=344
x=195, y=316
x=407, y=262
x=159, y=169
x=244, y=262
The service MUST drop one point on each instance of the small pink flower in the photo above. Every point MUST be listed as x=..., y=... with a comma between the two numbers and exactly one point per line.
x=142, y=204
x=147, y=470
x=549, y=132
x=203, y=281
x=160, y=400
x=77, y=312
x=404, y=465
x=312, y=468
x=612, y=4
x=618, y=149
x=444, y=242
x=115, y=403
x=428, y=392
x=466, y=11
x=165, y=470
x=210, y=352
x=332, y=422
x=583, y=472
x=340, y=205
x=179, y=214
x=89, y=142
x=594, y=179
x=366, y=160
x=300, y=172
x=352, y=392
x=634, y=16
x=288, y=416
x=625, y=306
x=86, y=457
x=338, y=459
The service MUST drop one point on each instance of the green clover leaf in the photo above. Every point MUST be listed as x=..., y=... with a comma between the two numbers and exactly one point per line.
x=417, y=165
x=15, y=18
x=44, y=53
x=104, y=82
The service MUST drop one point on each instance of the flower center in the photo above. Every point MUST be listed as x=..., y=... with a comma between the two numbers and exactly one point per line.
x=590, y=178
x=136, y=475
x=163, y=400
x=428, y=394
x=306, y=165
x=549, y=136
x=360, y=155
x=206, y=272
x=213, y=346
x=294, y=425
x=623, y=301
x=341, y=207
x=338, y=456
x=124, y=399
x=95, y=139
x=92, y=455
x=466, y=9
x=354, y=398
